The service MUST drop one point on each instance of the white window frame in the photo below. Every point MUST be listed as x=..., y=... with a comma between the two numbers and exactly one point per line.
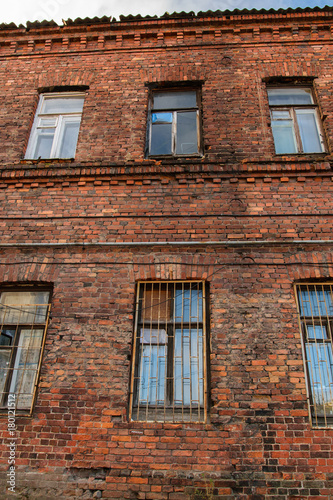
x=292, y=110
x=60, y=120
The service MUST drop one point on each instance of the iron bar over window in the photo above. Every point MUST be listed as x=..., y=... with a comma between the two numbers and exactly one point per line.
x=169, y=371
x=315, y=303
x=23, y=318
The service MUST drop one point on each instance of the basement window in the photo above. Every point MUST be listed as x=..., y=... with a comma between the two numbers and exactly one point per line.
x=56, y=126
x=23, y=318
x=174, y=123
x=295, y=121
x=315, y=305
x=169, y=371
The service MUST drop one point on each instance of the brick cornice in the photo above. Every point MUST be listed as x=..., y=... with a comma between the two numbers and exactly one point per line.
x=62, y=172
x=299, y=27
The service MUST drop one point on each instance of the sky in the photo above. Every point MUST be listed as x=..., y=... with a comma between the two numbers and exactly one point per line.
x=21, y=11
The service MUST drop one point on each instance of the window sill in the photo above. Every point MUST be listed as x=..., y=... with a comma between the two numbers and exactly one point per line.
x=4, y=413
x=179, y=158
x=289, y=156
x=168, y=415
x=322, y=425
x=45, y=160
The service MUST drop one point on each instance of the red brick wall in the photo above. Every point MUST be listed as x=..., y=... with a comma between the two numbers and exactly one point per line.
x=79, y=442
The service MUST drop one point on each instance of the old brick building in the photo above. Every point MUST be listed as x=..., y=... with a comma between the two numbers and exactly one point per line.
x=166, y=195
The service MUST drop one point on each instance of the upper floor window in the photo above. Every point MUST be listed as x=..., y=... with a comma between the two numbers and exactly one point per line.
x=316, y=318
x=174, y=123
x=295, y=121
x=169, y=372
x=23, y=320
x=56, y=126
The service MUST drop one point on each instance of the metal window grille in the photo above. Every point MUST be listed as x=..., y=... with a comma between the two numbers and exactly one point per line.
x=169, y=370
x=315, y=306
x=23, y=318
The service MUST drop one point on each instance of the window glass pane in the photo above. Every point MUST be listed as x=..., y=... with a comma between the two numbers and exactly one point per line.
x=281, y=114
x=175, y=100
x=187, y=137
x=161, y=117
x=284, y=137
x=59, y=105
x=4, y=367
x=153, y=336
x=152, y=374
x=320, y=368
x=316, y=302
x=184, y=299
x=7, y=337
x=47, y=122
x=316, y=332
x=155, y=304
x=68, y=140
x=23, y=307
x=289, y=96
x=309, y=131
x=26, y=365
x=44, y=143
x=161, y=139
x=188, y=379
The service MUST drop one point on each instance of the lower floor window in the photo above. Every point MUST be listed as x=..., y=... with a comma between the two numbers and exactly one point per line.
x=169, y=380
x=23, y=319
x=316, y=320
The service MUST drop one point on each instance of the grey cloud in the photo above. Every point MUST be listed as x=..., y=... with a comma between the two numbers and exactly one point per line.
x=21, y=11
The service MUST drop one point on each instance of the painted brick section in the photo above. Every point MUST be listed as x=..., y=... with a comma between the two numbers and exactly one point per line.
x=249, y=222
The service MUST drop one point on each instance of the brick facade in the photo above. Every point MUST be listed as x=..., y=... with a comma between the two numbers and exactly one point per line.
x=249, y=222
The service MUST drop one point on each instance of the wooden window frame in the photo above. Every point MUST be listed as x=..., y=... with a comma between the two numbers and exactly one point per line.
x=174, y=111
x=10, y=399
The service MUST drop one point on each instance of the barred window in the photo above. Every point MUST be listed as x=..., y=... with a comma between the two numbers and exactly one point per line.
x=23, y=318
x=316, y=320
x=169, y=372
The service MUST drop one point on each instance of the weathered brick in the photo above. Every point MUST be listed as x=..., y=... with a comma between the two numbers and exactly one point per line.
x=258, y=442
